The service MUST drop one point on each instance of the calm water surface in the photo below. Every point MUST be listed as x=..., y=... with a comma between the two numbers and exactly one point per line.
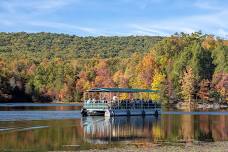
x=43, y=127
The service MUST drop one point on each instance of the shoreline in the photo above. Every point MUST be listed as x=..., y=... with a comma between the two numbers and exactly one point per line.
x=59, y=102
x=201, y=106
x=177, y=106
x=220, y=146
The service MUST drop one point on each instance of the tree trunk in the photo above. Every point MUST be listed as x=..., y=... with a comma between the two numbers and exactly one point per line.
x=189, y=101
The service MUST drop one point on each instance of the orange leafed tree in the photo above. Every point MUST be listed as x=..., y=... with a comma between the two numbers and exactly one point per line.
x=82, y=83
x=103, y=75
x=204, y=89
x=120, y=79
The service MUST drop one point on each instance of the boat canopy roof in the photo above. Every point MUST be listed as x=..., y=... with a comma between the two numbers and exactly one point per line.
x=122, y=90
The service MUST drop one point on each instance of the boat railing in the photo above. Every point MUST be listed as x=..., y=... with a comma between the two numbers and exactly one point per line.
x=96, y=105
x=121, y=105
x=135, y=105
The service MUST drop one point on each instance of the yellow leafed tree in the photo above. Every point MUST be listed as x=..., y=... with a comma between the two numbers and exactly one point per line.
x=156, y=84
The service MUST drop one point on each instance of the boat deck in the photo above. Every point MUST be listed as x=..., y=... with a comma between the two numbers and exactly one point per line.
x=122, y=108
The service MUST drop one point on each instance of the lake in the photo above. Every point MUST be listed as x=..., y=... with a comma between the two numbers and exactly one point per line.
x=43, y=127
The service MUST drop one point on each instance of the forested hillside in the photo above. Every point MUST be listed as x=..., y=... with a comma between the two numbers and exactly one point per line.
x=46, y=67
x=49, y=45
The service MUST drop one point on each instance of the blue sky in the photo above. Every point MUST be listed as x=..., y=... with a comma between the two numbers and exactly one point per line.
x=115, y=17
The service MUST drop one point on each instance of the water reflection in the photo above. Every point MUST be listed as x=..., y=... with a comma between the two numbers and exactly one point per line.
x=37, y=106
x=171, y=128
x=90, y=132
x=104, y=130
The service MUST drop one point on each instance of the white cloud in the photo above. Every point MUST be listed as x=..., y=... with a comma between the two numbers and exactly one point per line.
x=146, y=30
x=208, y=16
x=62, y=26
x=163, y=28
x=23, y=13
x=210, y=22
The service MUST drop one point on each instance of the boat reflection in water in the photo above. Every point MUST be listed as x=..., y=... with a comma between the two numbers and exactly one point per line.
x=86, y=133
x=103, y=130
x=165, y=128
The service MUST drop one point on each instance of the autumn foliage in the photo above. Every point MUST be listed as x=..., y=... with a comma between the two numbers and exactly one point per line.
x=191, y=67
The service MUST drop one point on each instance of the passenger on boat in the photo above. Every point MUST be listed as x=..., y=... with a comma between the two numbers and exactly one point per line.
x=114, y=98
x=89, y=100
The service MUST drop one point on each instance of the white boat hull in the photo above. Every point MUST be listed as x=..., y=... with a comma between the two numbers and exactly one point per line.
x=134, y=112
x=126, y=112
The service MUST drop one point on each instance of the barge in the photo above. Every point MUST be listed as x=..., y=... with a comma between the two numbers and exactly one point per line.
x=119, y=102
